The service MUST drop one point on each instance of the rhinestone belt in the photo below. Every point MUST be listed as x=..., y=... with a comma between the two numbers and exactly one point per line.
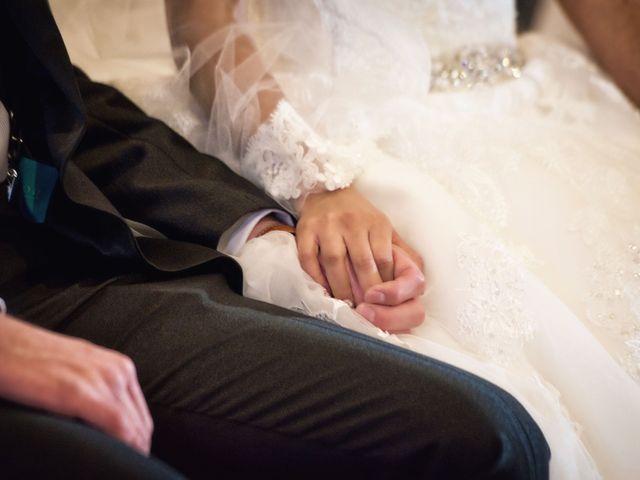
x=472, y=66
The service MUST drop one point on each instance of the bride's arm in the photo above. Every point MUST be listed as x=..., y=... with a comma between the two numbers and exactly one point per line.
x=612, y=30
x=337, y=226
x=193, y=21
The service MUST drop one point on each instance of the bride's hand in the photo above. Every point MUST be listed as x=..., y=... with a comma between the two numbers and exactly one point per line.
x=339, y=227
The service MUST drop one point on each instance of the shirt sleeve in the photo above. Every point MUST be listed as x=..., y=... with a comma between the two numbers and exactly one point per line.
x=234, y=238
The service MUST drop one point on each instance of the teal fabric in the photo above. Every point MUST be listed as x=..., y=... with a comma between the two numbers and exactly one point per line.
x=37, y=182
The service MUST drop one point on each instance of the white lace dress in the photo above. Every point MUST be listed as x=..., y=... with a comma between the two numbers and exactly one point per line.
x=511, y=164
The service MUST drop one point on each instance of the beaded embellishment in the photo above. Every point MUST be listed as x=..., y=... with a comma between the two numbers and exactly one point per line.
x=472, y=66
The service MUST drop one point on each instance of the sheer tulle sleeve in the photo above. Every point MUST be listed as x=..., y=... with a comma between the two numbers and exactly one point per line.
x=252, y=124
x=282, y=107
x=291, y=94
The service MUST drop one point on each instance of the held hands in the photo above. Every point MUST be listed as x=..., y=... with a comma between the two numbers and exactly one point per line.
x=341, y=227
x=74, y=378
x=349, y=247
x=394, y=306
x=338, y=228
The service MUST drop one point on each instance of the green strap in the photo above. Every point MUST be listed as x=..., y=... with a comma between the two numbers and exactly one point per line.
x=36, y=183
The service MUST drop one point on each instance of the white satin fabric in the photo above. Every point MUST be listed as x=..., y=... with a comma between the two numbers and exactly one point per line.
x=523, y=197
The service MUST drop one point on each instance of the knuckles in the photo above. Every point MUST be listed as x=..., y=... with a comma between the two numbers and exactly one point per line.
x=382, y=222
x=364, y=263
x=89, y=386
x=73, y=391
x=349, y=219
x=126, y=365
x=119, y=371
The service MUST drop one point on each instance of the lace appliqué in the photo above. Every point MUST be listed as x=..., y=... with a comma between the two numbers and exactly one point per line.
x=463, y=165
x=614, y=285
x=288, y=159
x=493, y=319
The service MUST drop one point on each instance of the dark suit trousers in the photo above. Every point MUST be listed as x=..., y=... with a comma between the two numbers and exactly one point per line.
x=37, y=445
x=240, y=388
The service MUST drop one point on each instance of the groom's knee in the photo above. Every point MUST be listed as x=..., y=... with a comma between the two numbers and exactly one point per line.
x=478, y=431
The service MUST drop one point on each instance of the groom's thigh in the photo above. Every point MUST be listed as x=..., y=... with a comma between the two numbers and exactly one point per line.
x=238, y=387
x=35, y=444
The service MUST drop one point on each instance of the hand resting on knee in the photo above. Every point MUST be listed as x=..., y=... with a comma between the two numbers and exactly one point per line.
x=73, y=378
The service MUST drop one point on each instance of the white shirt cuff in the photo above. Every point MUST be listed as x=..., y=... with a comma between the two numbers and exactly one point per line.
x=3, y=306
x=234, y=238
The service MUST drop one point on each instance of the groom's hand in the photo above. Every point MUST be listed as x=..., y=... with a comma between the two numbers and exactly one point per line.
x=394, y=306
x=74, y=378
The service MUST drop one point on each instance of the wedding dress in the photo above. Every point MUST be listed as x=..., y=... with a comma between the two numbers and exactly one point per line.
x=511, y=164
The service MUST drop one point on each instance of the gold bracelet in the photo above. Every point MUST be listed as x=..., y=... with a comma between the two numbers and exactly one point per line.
x=280, y=228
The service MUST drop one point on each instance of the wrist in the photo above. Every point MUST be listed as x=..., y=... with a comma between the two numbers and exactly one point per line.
x=303, y=162
x=268, y=224
x=318, y=196
x=280, y=228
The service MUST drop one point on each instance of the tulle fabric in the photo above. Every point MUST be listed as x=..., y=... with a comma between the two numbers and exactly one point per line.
x=295, y=55
x=522, y=197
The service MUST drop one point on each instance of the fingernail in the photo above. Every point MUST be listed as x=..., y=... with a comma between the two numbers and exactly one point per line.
x=375, y=296
x=367, y=312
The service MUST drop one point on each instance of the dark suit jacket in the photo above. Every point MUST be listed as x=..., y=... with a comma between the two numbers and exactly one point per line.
x=114, y=161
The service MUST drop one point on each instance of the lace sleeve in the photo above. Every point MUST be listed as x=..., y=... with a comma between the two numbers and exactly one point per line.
x=230, y=65
x=289, y=160
x=285, y=103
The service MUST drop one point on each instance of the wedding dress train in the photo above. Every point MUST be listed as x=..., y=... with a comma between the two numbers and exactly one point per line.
x=511, y=164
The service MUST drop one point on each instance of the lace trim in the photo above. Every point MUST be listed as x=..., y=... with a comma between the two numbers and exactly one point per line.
x=493, y=318
x=614, y=284
x=631, y=359
x=288, y=159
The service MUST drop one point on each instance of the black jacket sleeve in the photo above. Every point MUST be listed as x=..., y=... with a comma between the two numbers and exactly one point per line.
x=153, y=176
x=114, y=162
